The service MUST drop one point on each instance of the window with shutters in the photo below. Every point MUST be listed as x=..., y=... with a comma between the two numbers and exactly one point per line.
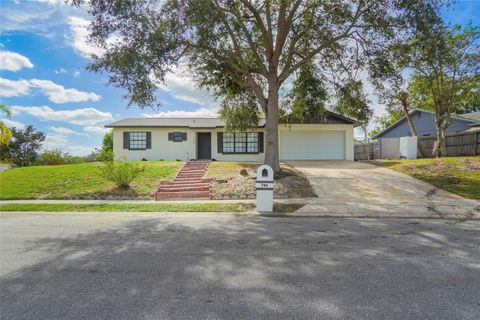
x=177, y=136
x=240, y=142
x=137, y=140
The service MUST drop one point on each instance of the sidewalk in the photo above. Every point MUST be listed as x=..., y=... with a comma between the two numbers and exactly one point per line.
x=173, y=201
x=405, y=211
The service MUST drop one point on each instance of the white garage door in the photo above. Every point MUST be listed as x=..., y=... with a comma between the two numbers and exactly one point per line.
x=312, y=145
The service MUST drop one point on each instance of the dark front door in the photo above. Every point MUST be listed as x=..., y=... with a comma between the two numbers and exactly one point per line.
x=204, y=145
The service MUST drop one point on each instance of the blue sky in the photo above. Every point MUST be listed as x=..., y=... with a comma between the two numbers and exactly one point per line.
x=43, y=54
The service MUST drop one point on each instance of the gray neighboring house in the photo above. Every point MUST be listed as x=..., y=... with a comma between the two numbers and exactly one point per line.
x=425, y=124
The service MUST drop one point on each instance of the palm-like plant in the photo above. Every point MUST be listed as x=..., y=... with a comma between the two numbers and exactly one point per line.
x=5, y=132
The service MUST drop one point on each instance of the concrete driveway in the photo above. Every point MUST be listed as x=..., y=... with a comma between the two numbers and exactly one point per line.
x=347, y=188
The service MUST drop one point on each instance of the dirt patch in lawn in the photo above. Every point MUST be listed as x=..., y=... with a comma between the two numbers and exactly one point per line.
x=236, y=180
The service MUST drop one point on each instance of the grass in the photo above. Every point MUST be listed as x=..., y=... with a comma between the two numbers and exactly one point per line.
x=459, y=175
x=60, y=182
x=161, y=207
x=226, y=169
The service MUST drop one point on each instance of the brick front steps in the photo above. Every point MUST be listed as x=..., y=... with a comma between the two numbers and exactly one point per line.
x=188, y=184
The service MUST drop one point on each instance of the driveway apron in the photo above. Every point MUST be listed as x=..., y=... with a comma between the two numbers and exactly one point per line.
x=354, y=189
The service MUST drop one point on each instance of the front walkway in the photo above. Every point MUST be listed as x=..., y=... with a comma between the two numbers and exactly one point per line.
x=354, y=189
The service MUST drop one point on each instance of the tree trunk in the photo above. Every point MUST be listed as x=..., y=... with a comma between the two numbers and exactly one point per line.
x=403, y=97
x=271, y=128
x=441, y=126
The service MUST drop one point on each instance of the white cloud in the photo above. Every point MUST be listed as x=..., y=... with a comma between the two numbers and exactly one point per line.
x=199, y=113
x=58, y=94
x=55, y=92
x=52, y=2
x=54, y=141
x=76, y=73
x=96, y=130
x=82, y=117
x=29, y=17
x=78, y=38
x=13, y=61
x=65, y=131
x=79, y=150
x=11, y=123
x=13, y=88
x=60, y=71
x=180, y=84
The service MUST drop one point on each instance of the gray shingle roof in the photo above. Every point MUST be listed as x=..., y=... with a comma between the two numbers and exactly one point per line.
x=206, y=123
x=173, y=123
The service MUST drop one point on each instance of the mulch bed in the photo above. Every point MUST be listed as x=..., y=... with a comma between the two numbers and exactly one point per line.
x=291, y=183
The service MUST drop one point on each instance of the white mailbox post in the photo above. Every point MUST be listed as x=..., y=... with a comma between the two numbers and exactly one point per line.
x=265, y=188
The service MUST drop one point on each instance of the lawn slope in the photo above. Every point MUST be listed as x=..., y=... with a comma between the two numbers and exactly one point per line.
x=65, y=181
x=459, y=175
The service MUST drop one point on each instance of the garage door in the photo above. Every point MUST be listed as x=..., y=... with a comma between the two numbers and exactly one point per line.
x=312, y=145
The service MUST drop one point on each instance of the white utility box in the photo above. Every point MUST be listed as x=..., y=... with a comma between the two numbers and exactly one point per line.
x=264, y=188
x=408, y=147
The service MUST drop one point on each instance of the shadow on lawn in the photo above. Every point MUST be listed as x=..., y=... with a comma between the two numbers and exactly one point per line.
x=254, y=268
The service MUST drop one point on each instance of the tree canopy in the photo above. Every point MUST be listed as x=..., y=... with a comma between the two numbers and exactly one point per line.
x=233, y=47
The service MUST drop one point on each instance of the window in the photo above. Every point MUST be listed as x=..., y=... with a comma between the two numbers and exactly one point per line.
x=242, y=142
x=177, y=136
x=137, y=140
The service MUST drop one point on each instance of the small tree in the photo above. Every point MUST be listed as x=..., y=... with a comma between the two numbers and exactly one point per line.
x=106, y=152
x=306, y=102
x=446, y=65
x=107, y=142
x=5, y=132
x=352, y=102
x=122, y=173
x=23, y=147
x=393, y=114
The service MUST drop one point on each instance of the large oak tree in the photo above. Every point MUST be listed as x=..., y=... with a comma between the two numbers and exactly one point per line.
x=240, y=46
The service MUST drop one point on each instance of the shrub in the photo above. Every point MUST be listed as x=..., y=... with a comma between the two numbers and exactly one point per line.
x=121, y=173
x=51, y=158
x=105, y=156
x=57, y=157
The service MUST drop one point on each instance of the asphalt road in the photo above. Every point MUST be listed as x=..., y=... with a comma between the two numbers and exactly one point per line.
x=148, y=266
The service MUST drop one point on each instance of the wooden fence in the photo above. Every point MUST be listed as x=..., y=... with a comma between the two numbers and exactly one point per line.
x=458, y=144
x=367, y=151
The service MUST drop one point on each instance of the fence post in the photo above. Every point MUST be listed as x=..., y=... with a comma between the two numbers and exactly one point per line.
x=475, y=133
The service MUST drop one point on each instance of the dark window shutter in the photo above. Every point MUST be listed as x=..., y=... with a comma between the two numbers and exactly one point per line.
x=260, y=142
x=184, y=136
x=126, y=138
x=219, y=142
x=170, y=136
x=149, y=140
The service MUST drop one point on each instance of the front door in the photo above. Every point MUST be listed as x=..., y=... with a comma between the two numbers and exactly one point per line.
x=204, y=145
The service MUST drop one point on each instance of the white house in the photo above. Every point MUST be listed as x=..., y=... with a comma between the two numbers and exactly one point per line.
x=200, y=138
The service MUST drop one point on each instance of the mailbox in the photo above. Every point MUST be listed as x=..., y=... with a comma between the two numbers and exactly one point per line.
x=264, y=188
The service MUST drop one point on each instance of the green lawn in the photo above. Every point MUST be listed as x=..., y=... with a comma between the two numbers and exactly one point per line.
x=160, y=207
x=58, y=182
x=460, y=175
x=157, y=207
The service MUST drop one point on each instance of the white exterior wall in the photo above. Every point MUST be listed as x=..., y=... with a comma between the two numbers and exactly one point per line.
x=169, y=150
x=185, y=150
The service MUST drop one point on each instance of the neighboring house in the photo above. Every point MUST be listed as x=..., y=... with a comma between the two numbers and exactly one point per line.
x=475, y=116
x=200, y=138
x=424, y=122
